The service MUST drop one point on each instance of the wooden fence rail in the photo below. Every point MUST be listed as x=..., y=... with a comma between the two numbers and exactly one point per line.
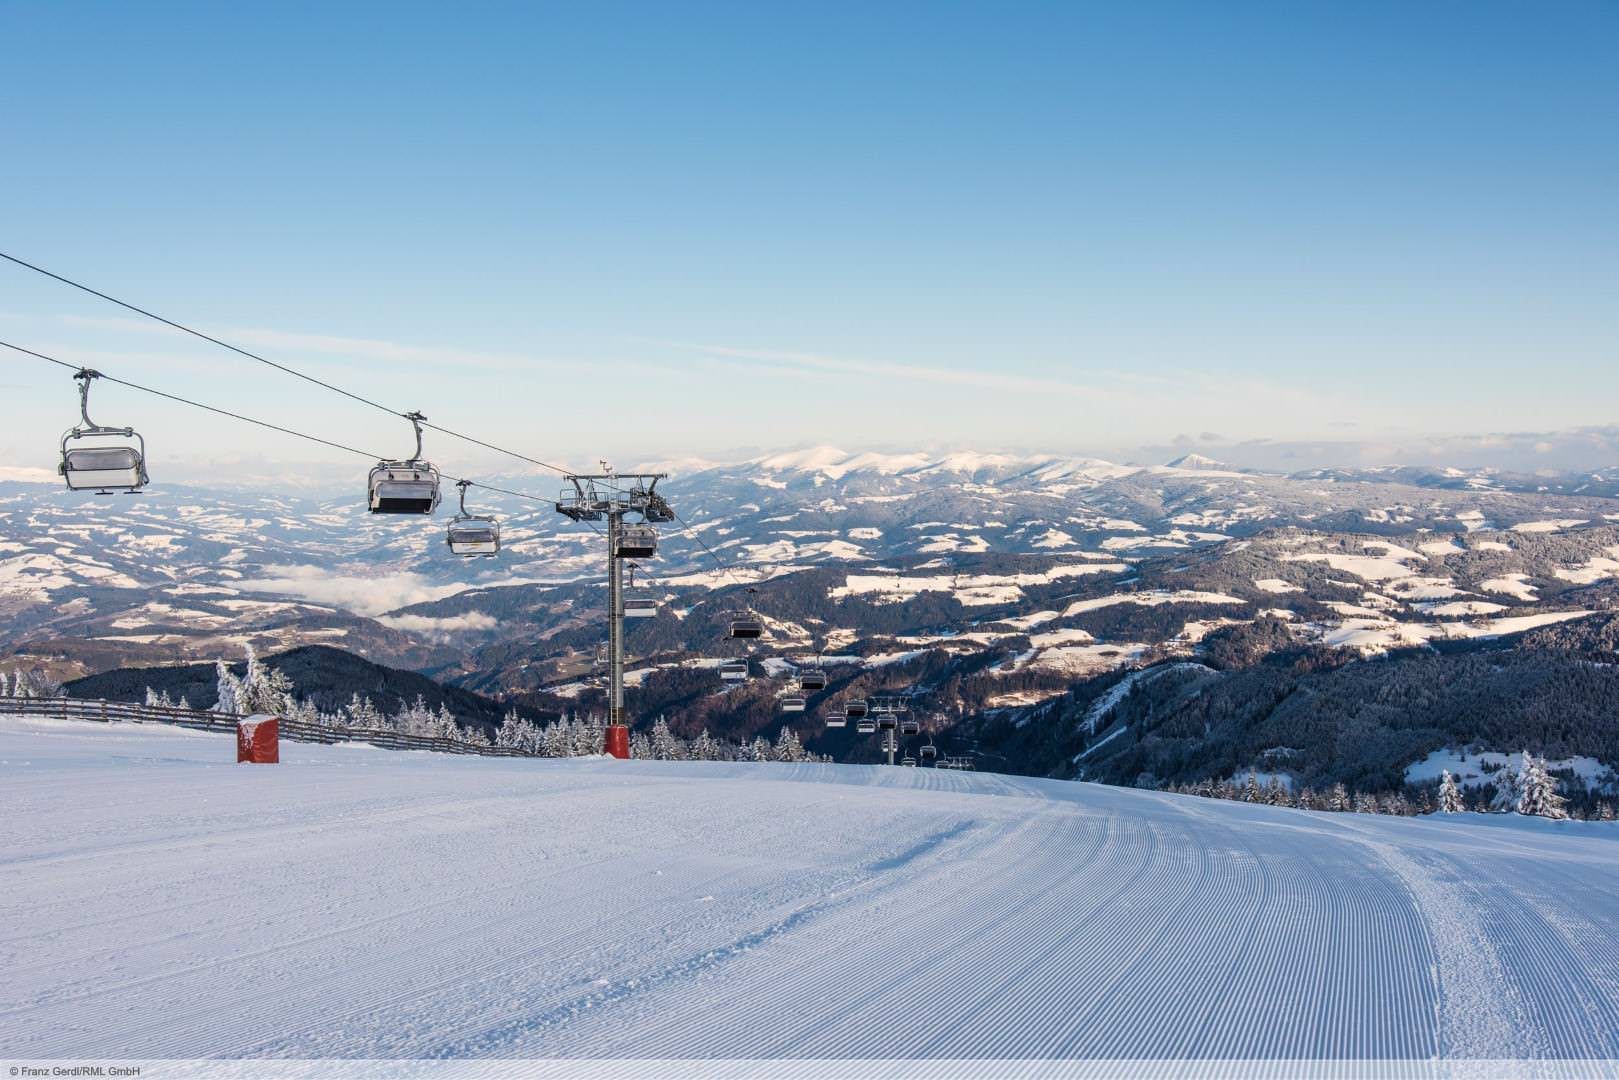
x=199, y=720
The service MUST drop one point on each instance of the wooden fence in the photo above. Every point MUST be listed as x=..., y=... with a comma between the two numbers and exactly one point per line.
x=109, y=712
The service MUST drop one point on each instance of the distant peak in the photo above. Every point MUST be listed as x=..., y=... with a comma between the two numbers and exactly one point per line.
x=1196, y=461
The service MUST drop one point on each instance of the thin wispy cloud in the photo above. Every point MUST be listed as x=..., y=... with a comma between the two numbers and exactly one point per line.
x=342, y=348
x=813, y=362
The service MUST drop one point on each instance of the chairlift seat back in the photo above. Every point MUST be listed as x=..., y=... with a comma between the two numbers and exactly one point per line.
x=792, y=704
x=404, y=488
x=640, y=608
x=866, y=727
x=856, y=708
x=475, y=536
x=836, y=720
x=101, y=468
x=734, y=671
x=887, y=722
x=637, y=542
x=747, y=628
x=812, y=680
x=910, y=727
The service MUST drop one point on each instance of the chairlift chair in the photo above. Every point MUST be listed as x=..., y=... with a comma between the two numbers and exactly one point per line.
x=908, y=761
x=812, y=679
x=856, y=708
x=472, y=535
x=887, y=722
x=405, y=487
x=747, y=627
x=866, y=727
x=792, y=704
x=734, y=670
x=836, y=719
x=928, y=751
x=99, y=466
x=636, y=542
x=640, y=607
x=910, y=727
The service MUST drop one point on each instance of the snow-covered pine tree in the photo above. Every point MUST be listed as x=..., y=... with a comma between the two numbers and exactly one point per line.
x=1276, y=794
x=1338, y=798
x=596, y=734
x=665, y=745
x=557, y=740
x=511, y=735
x=1450, y=796
x=640, y=746
x=361, y=714
x=1307, y=800
x=1605, y=811
x=1537, y=790
x=1251, y=791
x=1365, y=803
x=703, y=748
x=788, y=746
x=228, y=689
x=759, y=750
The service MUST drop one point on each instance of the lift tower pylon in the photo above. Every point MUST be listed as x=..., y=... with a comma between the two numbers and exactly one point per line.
x=611, y=496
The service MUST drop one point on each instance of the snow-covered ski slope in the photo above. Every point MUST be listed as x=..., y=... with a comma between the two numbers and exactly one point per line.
x=158, y=901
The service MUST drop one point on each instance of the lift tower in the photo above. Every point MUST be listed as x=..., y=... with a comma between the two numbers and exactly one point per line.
x=611, y=496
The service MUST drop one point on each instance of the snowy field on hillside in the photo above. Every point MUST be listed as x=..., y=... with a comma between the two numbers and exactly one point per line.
x=159, y=901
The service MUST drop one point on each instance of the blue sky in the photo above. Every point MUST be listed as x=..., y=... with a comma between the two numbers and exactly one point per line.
x=665, y=230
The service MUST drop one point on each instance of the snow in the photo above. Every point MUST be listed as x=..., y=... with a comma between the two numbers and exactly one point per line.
x=1276, y=585
x=1547, y=526
x=360, y=903
x=1469, y=768
x=970, y=589
x=1512, y=585
x=1386, y=567
x=1150, y=598
x=1597, y=568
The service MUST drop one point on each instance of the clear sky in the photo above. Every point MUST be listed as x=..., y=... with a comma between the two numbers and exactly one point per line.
x=675, y=229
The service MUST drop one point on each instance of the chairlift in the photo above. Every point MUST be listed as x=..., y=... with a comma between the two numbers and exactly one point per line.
x=745, y=624
x=792, y=704
x=405, y=487
x=734, y=670
x=887, y=722
x=101, y=467
x=472, y=535
x=866, y=727
x=637, y=607
x=636, y=542
x=812, y=679
x=928, y=751
x=856, y=708
x=908, y=761
x=836, y=719
x=909, y=726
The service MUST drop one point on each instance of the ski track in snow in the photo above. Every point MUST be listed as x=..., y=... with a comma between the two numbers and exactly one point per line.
x=158, y=901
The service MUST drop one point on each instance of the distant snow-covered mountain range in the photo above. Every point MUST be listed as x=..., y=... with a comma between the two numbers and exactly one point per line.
x=994, y=585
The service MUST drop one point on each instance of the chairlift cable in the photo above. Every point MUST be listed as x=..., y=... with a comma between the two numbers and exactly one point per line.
x=254, y=420
x=278, y=366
